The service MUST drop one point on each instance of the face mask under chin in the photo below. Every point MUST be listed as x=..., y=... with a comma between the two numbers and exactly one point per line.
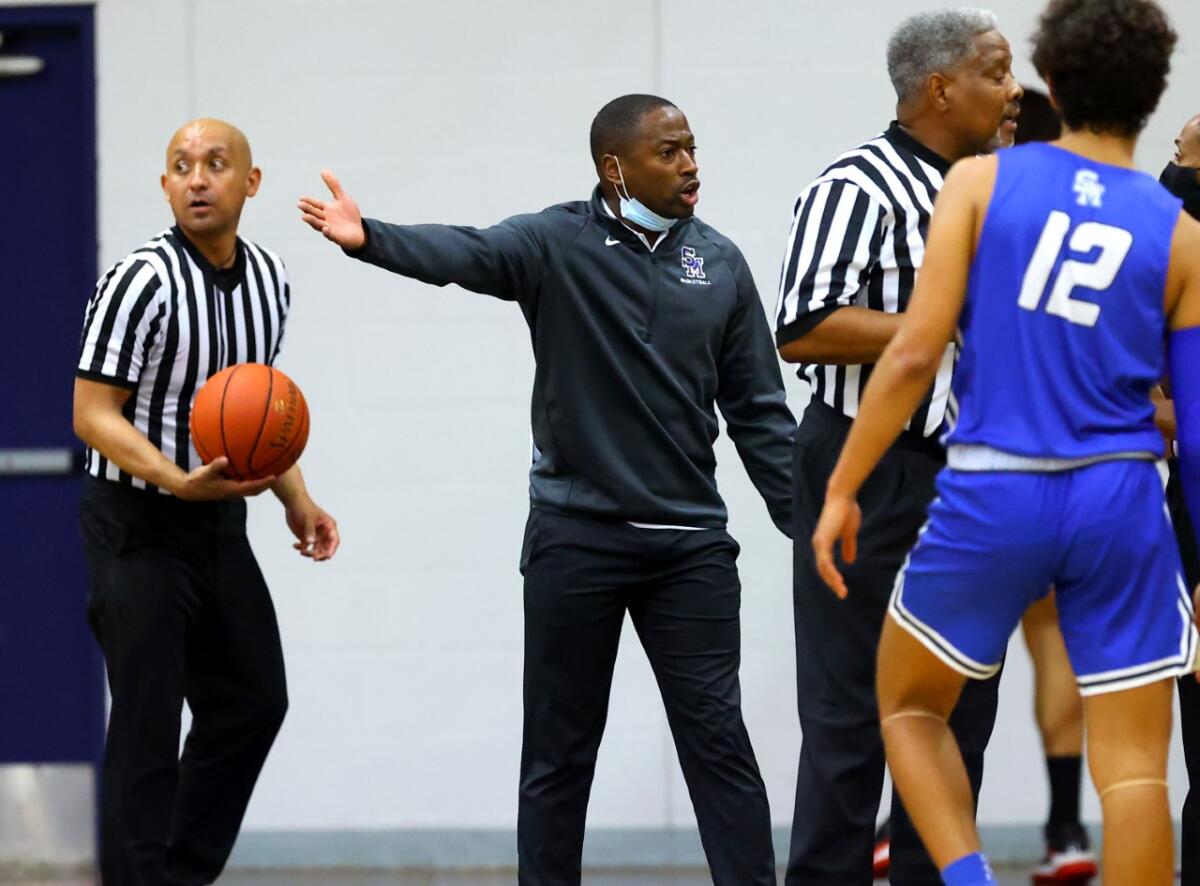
x=637, y=213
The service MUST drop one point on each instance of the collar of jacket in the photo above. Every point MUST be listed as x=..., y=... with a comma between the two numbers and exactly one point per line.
x=618, y=230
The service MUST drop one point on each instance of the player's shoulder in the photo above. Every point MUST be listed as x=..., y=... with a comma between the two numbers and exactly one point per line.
x=1183, y=273
x=971, y=179
x=1186, y=238
x=974, y=169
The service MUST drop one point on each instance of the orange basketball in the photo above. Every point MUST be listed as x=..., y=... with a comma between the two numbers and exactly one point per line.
x=255, y=416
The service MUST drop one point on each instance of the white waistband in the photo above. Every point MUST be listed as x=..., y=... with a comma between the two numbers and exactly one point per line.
x=975, y=457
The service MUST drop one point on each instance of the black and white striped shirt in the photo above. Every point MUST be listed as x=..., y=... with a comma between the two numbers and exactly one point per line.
x=858, y=238
x=163, y=320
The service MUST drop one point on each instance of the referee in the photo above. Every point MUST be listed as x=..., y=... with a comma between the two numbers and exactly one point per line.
x=177, y=601
x=642, y=318
x=856, y=243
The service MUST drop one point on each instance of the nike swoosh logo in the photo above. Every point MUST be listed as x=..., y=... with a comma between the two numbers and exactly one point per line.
x=609, y=241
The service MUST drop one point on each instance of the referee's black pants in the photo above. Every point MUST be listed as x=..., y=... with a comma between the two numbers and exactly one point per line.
x=1189, y=692
x=841, y=769
x=682, y=592
x=181, y=611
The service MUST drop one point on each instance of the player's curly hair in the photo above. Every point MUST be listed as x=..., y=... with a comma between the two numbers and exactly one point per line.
x=1106, y=60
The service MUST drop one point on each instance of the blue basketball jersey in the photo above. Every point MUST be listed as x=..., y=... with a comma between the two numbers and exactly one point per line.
x=1062, y=331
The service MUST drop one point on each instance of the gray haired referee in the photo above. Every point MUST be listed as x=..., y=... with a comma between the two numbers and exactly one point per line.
x=177, y=601
x=644, y=319
x=855, y=246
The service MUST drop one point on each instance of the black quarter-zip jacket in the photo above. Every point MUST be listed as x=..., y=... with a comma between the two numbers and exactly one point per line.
x=633, y=348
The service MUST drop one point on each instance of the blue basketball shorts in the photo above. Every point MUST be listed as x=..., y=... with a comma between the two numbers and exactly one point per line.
x=1100, y=535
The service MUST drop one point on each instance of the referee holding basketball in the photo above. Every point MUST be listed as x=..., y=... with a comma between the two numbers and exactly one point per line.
x=177, y=601
x=643, y=319
x=855, y=247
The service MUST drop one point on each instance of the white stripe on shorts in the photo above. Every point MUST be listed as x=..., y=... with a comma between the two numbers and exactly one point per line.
x=1151, y=672
x=946, y=651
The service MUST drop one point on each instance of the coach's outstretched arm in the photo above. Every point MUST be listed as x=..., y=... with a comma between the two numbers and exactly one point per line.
x=504, y=260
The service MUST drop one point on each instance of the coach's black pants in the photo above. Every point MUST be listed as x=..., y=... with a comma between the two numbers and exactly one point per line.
x=682, y=592
x=1189, y=692
x=841, y=768
x=181, y=610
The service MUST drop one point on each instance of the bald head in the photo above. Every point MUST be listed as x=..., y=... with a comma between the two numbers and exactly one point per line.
x=213, y=134
x=1187, y=144
x=209, y=175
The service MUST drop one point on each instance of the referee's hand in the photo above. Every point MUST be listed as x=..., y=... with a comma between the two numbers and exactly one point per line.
x=338, y=219
x=840, y=520
x=209, y=483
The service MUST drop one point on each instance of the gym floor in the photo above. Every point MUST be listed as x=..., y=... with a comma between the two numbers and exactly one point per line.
x=641, y=877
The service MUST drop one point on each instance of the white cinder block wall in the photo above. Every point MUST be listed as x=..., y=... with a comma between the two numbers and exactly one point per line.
x=404, y=654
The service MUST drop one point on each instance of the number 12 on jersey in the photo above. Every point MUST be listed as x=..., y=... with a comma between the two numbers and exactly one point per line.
x=1098, y=274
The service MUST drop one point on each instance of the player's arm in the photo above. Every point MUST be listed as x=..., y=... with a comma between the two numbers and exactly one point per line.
x=1164, y=413
x=504, y=260
x=100, y=422
x=1183, y=351
x=910, y=362
x=831, y=251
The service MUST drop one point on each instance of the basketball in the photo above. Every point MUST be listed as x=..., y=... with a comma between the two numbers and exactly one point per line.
x=255, y=416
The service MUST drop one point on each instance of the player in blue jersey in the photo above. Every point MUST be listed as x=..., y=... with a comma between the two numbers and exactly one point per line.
x=1063, y=269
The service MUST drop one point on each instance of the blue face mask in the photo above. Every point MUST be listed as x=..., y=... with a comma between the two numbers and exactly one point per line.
x=636, y=212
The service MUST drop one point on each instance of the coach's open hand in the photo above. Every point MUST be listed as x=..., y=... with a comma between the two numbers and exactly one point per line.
x=840, y=519
x=338, y=219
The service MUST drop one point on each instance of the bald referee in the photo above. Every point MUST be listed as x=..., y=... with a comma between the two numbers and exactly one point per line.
x=643, y=319
x=177, y=601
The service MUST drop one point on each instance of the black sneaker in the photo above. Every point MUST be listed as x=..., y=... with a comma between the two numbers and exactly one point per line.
x=1069, y=858
x=883, y=849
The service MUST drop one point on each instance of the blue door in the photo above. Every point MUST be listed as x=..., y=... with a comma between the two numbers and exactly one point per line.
x=51, y=677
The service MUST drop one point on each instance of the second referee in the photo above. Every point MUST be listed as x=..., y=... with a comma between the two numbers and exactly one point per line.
x=855, y=246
